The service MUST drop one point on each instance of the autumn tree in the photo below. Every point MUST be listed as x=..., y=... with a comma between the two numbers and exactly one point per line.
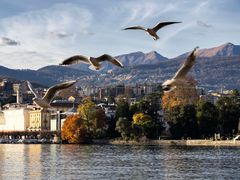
x=144, y=122
x=181, y=96
x=93, y=118
x=87, y=124
x=73, y=130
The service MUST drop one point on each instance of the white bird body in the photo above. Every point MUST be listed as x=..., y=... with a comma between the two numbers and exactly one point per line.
x=45, y=101
x=180, y=79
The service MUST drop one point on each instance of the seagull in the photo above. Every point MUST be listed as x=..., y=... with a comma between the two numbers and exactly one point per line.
x=179, y=78
x=152, y=31
x=45, y=101
x=95, y=62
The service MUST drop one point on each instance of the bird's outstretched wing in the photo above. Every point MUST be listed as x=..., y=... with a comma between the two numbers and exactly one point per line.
x=32, y=90
x=52, y=90
x=106, y=57
x=75, y=60
x=135, y=27
x=162, y=24
x=187, y=65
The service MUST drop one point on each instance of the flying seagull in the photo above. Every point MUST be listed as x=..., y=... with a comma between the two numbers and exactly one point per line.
x=45, y=101
x=179, y=78
x=95, y=62
x=152, y=31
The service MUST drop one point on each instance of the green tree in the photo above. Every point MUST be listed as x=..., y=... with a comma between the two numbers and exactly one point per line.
x=150, y=104
x=235, y=92
x=229, y=113
x=183, y=122
x=87, y=111
x=93, y=118
x=144, y=122
x=123, y=126
x=122, y=109
x=207, y=117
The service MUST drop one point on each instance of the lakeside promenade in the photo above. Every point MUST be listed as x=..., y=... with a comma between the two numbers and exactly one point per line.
x=196, y=142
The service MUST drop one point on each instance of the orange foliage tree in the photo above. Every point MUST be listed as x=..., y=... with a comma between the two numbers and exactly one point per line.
x=90, y=122
x=73, y=129
x=181, y=96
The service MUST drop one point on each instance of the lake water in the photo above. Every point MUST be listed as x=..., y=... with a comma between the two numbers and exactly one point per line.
x=19, y=161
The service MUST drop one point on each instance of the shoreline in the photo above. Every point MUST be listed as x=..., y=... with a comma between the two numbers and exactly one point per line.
x=196, y=142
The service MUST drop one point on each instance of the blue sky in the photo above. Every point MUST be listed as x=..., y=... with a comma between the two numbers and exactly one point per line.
x=34, y=34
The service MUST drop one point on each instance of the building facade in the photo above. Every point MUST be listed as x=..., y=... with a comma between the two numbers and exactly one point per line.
x=39, y=120
x=15, y=119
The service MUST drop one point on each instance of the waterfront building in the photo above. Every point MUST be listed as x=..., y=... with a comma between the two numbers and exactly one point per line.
x=39, y=119
x=15, y=119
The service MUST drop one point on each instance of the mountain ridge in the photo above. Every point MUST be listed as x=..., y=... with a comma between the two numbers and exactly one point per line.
x=214, y=66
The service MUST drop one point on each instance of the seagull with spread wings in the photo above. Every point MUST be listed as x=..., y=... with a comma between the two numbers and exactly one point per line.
x=151, y=31
x=45, y=101
x=95, y=62
x=179, y=78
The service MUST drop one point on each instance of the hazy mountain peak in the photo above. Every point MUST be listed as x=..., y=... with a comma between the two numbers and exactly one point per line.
x=153, y=55
x=227, y=49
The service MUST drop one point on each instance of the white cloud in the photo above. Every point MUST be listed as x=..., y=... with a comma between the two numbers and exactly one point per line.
x=36, y=29
x=144, y=11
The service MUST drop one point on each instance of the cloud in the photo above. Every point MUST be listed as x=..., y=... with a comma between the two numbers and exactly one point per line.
x=51, y=32
x=144, y=11
x=174, y=32
x=4, y=41
x=200, y=7
x=60, y=34
x=35, y=26
x=203, y=24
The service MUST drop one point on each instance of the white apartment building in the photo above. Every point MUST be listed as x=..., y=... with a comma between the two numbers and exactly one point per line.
x=15, y=119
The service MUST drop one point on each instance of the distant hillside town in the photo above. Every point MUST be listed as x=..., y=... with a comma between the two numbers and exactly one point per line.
x=19, y=113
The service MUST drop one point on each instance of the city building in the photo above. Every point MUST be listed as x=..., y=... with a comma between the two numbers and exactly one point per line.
x=39, y=119
x=15, y=119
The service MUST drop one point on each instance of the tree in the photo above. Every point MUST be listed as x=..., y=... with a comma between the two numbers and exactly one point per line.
x=87, y=124
x=123, y=126
x=181, y=96
x=99, y=123
x=235, y=92
x=183, y=122
x=122, y=109
x=87, y=112
x=207, y=117
x=229, y=113
x=144, y=122
x=73, y=130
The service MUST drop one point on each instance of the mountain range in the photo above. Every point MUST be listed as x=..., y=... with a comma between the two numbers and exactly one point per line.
x=217, y=67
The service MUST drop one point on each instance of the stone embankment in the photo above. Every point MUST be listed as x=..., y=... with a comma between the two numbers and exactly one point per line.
x=177, y=142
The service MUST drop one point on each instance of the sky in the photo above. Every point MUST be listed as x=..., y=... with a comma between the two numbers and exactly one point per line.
x=34, y=34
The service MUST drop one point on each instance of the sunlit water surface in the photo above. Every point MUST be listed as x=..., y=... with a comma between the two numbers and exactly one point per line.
x=18, y=161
